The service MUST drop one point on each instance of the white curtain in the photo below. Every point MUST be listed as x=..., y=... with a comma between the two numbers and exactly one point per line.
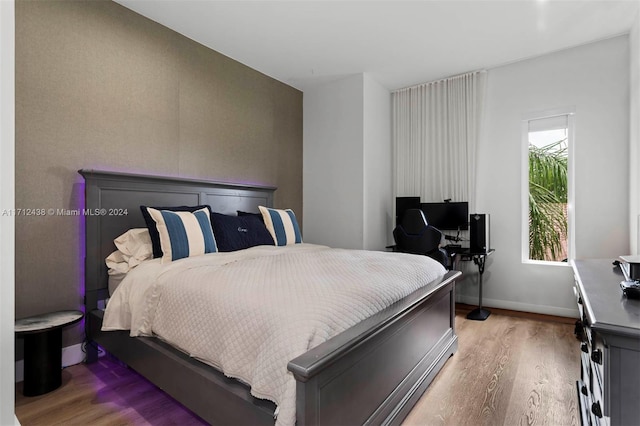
x=436, y=127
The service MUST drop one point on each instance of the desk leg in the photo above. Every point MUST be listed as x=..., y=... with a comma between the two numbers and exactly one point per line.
x=42, y=362
x=479, y=314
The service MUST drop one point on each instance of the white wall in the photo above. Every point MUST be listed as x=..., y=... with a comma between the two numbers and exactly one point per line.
x=378, y=206
x=7, y=237
x=332, y=165
x=634, y=136
x=594, y=79
x=347, y=164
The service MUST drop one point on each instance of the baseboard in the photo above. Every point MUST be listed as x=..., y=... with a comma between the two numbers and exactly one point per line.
x=518, y=306
x=71, y=355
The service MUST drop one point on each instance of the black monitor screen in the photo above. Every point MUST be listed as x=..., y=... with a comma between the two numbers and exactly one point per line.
x=405, y=203
x=447, y=216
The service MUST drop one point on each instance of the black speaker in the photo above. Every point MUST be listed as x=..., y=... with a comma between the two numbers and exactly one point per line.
x=479, y=233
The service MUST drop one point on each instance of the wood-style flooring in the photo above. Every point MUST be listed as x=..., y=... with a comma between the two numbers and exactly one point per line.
x=508, y=371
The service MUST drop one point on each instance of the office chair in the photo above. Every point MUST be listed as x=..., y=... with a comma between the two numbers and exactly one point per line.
x=414, y=235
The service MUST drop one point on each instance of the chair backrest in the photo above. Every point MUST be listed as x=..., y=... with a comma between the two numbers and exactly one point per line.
x=415, y=235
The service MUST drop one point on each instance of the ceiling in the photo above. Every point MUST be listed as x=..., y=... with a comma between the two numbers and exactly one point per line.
x=397, y=43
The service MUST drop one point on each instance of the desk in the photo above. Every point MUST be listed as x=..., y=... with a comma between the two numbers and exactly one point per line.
x=479, y=258
x=43, y=349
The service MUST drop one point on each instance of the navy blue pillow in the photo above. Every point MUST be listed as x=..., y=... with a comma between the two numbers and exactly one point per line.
x=239, y=232
x=153, y=230
x=258, y=215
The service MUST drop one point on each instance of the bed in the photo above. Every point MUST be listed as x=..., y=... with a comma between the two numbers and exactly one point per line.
x=371, y=373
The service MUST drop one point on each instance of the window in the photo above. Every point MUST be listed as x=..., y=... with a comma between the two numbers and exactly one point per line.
x=547, y=188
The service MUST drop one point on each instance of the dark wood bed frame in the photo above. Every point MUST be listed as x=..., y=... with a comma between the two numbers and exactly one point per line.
x=372, y=373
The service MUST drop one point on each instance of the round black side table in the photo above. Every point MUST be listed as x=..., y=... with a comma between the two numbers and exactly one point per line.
x=43, y=349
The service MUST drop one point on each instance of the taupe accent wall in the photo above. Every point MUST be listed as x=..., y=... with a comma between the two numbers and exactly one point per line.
x=98, y=86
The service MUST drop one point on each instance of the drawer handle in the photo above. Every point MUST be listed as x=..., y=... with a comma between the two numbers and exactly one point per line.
x=596, y=356
x=578, y=330
x=584, y=348
x=595, y=409
x=584, y=390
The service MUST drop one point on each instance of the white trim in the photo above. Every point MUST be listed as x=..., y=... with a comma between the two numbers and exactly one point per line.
x=548, y=113
x=546, y=263
x=71, y=355
x=7, y=201
x=569, y=112
x=521, y=307
x=524, y=190
x=571, y=187
x=634, y=135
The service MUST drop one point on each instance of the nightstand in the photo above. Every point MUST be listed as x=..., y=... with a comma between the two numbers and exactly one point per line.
x=43, y=349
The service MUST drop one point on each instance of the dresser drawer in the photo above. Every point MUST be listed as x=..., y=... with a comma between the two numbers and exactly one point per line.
x=583, y=404
x=599, y=354
x=609, y=331
x=586, y=375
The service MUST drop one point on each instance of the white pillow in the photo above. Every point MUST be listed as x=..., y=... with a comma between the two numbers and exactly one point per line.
x=133, y=248
x=135, y=243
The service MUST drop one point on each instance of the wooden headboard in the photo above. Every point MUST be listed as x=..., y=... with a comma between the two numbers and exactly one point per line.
x=112, y=206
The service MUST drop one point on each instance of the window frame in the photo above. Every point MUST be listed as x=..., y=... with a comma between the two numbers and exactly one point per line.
x=569, y=112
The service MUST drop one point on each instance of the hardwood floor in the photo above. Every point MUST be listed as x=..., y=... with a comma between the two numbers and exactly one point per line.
x=104, y=393
x=508, y=371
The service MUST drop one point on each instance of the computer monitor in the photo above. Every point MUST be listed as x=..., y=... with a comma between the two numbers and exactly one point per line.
x=405, y=203
x=447, y=216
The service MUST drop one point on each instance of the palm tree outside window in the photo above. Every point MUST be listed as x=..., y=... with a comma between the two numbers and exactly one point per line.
x=547, y=189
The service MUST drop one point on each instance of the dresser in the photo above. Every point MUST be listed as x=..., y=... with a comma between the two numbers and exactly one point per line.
x=609, y=333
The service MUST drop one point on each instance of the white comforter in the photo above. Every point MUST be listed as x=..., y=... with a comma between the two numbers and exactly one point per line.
x=249, y=312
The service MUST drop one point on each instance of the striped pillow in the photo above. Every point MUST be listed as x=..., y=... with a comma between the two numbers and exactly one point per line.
x=184, y=234
x=282, y=226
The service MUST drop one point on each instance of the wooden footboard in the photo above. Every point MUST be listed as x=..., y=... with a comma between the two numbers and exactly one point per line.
x=374, y=372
